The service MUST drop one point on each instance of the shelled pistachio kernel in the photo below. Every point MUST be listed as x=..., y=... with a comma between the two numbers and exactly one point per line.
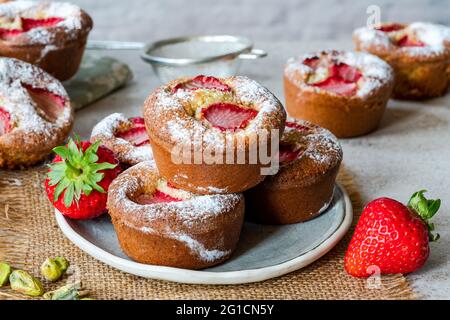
x=25, y=283
x=53, y=269
x=5, y=271
x=50, y=270
x=63, y=263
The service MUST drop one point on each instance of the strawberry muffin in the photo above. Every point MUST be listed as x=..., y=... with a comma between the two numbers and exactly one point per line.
x=418, y=52
x=156, y=223
x=310, y=157
x=51, y=35
x=345, y=92
x=126, y=137
x=208, y=134
x=35, y=113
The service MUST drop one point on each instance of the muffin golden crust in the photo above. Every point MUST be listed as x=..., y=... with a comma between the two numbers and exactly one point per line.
x=310, y=157
x=203, y=129
x=345, y=92
x=126, y=137
x=157, y=223
x=51, y=35
x=35, y=113
x=418, y=52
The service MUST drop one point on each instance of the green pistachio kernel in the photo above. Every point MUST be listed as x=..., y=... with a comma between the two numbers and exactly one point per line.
x=63, y=263
x=50, y=270
x=25, y=283
x=5, y=271
x=68, y=292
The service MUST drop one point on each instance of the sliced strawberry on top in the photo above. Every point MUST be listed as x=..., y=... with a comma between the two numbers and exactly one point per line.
x=391, y=27
x=47, y=102
x=157, y=197
x=406, y=41
x=296, y=126
x=346, y=72
x=5, y=121
x=29, y=23
x=228, y=116
x=338, y=86
x=9, y=33
x=312, y=62
x=287, y=153
x=137, y=135
x=202, y=82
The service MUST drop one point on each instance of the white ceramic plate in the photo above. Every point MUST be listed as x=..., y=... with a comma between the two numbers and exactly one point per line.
x=263, y=252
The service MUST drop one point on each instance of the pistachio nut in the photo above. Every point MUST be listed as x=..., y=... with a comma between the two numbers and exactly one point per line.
x=25, y=283
x=68, y=292
x=63, y=263
x=5, y=271
x=87, y=299
x=51, y=270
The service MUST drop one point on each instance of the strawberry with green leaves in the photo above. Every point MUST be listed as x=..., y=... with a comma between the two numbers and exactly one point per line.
x=391, y=236
x=79, y=177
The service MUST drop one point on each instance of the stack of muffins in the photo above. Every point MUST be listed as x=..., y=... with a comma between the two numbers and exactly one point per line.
x=184, y=205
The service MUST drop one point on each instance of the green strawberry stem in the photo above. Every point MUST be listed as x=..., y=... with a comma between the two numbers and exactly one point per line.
x=426, y=209
x=78, y=173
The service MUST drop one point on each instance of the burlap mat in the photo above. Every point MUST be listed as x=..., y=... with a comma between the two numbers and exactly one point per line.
x=29, y=234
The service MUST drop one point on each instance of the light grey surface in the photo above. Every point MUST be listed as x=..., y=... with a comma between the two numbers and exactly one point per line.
x=409, y=152
x=275, y=20
x=259, y=246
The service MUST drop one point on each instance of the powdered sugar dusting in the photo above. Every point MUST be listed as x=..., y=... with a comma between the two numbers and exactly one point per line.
x=376, y=72
x=32, y=9
x=105, y=131
x=13, y=75
x=319, y=144
x=173, y=122
x=435, y=37
x=192, y=213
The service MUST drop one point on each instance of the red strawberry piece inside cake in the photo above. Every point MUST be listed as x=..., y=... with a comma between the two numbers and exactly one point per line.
x=14, y=27
x=202, y=82
x=49, y=104
x=5, y=121
x=228, y=116
x=333, y=76
x=136, y=134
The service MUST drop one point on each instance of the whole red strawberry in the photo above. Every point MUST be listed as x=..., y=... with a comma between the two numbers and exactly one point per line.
x=79, y=177
x=392, y=237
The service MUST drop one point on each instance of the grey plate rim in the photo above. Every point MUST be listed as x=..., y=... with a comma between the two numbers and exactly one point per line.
x=206, y=277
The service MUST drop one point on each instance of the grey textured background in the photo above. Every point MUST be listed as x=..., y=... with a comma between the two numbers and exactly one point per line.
x=281, y=20
x=410, y=150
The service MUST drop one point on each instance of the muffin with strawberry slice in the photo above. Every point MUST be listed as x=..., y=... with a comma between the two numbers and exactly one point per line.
x=158, y=223
x=303, y=188
x=51, y=35
x=345, y=92
x=418, y=52
x=126, y=137
x=203, y=129
x=79, y=177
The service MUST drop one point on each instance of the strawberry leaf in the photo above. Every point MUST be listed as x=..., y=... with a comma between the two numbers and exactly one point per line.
x=426, y=209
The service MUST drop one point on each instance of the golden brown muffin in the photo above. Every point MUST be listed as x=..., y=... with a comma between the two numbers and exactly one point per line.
x=204, y=130
x=35, y=113
x=51, y=35
x=344, y=92
x=159, y=224
x=418, y=52
x=303, y=188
